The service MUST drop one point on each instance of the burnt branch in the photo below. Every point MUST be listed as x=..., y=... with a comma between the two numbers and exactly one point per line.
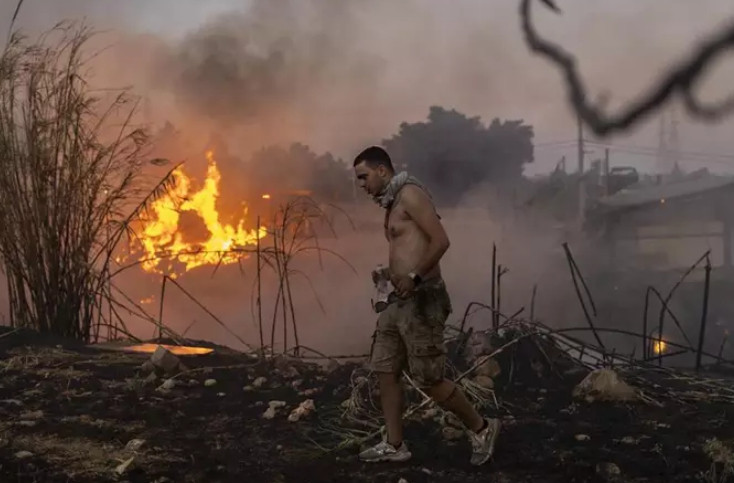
x=681, y=80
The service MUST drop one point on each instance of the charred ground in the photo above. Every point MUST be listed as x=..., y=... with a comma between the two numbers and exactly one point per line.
x=72, y=414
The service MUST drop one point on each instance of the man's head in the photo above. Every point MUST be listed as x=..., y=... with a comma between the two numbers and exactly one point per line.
x=373, y=169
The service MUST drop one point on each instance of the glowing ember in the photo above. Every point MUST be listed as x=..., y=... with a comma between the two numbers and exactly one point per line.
x=266, y=196
x=659, y=346
x=179, y=350
x=163, y=242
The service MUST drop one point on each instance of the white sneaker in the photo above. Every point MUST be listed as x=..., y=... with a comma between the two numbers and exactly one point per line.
x=384, y=451
x=482, y=443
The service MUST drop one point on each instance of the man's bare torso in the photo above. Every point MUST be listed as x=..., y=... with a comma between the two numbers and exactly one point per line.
x=408, y=243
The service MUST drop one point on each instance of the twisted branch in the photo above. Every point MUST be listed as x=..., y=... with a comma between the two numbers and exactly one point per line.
x=680, y=79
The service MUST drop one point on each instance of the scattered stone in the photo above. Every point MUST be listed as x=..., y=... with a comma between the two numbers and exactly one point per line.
x=124, y=466
x=12, y=402
x=484, y=381
x=168, y=384
x=608, y=471
x=430, y=413
x=272, y=410
x=259, y=382
x=150, y=378
x=291, y=372
x=147, y=366
x=248, y=388
x=630, y=440
x=210, y=382
x=332, y=365
x=134, y=444
x=402, y=480
x=582, y=437
x=303, y=409
x=23, y=455
x=165, y=360
x=27, y=424
x=32, y=415
x=309, y=392
x=604, y=385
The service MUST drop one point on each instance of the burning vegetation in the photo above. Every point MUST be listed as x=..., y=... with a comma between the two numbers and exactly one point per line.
x=168, y=247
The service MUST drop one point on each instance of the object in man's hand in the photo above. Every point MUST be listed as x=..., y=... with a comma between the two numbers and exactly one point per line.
x=385, y=294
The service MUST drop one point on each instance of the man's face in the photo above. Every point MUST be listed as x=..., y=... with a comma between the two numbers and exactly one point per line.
x=369, y=179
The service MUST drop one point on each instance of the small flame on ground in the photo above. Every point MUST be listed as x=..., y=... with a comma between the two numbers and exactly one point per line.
x=266, y=196
x=179, y=350
x=147, y=300
x=659, y=346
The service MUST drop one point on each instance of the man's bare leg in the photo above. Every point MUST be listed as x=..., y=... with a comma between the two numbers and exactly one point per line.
x=483, y=431
x=391, y=399
x=451, y=398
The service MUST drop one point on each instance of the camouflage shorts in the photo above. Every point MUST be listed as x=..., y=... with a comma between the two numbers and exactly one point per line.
x=409, y=335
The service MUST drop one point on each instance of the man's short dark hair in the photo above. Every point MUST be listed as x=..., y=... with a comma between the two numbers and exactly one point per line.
x=374, y=156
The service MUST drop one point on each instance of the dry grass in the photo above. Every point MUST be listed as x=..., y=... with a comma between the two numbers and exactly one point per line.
x=79, y=457
x=70, y=164
x=722, y=461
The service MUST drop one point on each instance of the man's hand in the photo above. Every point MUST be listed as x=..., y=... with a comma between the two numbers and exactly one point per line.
x=403, y=284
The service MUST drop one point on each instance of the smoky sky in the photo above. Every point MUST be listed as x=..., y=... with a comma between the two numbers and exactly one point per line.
x=341, y=74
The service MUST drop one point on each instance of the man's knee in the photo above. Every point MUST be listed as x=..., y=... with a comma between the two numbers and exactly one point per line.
x=442, y=391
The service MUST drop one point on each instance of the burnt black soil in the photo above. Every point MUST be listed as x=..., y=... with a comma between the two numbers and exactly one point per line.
x=75, y=412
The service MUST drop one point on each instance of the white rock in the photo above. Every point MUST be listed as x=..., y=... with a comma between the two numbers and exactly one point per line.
x=23, y=454
x=134, y=444
x=210, y=382
x=165, y=359
x=582, y=437
x=604, y=385
x=123, y=467
x=272, y=410
x=168, y=384
x=303, y=409
x=259, y=382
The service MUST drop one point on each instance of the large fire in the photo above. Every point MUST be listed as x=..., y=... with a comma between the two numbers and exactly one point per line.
x=167, y=250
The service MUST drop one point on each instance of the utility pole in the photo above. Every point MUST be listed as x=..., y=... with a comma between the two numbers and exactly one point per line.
x=582, y=182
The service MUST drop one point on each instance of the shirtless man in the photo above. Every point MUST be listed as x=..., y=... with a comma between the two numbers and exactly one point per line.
x=410, y=330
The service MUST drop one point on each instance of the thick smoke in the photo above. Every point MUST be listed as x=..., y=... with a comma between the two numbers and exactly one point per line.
x=341, y=74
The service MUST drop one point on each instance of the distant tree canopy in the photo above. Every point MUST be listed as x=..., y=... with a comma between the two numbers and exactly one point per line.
x=452, y=153
x=276, y=169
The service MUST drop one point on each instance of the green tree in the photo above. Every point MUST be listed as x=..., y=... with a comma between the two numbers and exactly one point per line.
x=453, y=153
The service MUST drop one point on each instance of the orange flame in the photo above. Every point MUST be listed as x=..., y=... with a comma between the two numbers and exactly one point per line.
x=163, y=242
x=179, y=350
x=659, y=346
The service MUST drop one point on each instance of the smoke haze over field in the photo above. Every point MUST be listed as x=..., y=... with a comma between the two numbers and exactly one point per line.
x=341, y=74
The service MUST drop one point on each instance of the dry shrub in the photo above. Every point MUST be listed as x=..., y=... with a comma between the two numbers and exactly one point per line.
x=70, y=162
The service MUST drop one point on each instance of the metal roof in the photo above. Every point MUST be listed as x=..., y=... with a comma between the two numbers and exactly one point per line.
x=630, y=197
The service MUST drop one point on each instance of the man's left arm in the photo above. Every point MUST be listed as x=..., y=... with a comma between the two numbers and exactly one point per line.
x=420, y=209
